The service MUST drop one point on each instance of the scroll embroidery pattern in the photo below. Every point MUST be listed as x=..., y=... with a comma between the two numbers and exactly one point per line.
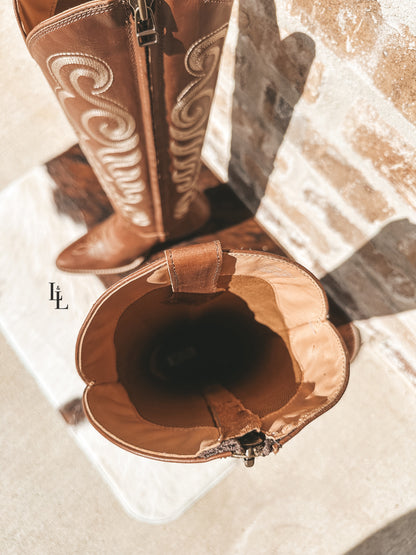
x=116, y=161
x=190, y=115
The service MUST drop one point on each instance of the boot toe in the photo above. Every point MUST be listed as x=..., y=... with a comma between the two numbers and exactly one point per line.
x=113, y=246
x=77, y=257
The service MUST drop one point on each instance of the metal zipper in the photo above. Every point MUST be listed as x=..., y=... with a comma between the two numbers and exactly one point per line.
x=144, y=21
x=145, y=30
x=249, y=443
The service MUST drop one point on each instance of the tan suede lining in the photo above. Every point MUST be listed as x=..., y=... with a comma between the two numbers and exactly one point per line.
x=269, y=358
x=235, y=351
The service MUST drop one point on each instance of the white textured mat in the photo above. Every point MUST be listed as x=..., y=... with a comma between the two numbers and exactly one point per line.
x=32, y=232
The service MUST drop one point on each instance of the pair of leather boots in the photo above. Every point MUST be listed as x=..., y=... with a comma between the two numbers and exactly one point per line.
x=205, y=353
x=136, y=79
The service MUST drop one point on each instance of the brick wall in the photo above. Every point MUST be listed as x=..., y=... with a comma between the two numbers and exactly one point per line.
x=314, y=124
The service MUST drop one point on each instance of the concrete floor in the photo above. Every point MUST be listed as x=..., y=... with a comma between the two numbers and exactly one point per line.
x=346, y=482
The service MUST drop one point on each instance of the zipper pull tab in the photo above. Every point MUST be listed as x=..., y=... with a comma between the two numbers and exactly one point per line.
x=250, y=443
x=144, y=22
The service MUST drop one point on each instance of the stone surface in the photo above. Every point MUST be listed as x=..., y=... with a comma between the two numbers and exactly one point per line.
x=381, y=276
x=335, y=218
x=344, y=177
x=395, y=72
x=387, y=151
x=314, y=82
x=347, y=26
x=300, y=220
x=334, y=172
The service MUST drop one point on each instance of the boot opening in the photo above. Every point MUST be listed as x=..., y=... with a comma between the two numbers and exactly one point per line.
x=181, y=376
x=168, y=359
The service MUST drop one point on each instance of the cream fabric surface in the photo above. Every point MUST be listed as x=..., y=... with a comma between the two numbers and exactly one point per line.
x=33, y=128
x=31, y=234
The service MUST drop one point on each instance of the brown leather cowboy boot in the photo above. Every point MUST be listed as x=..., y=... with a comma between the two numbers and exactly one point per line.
x=136, y=79
x=210, y=353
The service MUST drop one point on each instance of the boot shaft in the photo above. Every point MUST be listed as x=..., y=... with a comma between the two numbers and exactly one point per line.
x=140, y=112
x=184, y=69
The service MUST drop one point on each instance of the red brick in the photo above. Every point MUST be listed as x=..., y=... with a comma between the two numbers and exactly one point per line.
x=345, y=178
x=260, y=51
x=390, y=155
x=294, y=59
x=257, y=174
x=395, y=74
x=313, y=84
x=406, y=246
x=300, y=220
x=380, y=280
x=336, y=219
x=399, y=282
x=349, y=27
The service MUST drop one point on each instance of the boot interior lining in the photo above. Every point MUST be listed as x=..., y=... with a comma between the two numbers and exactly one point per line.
x=168, y=373
x=182, y=346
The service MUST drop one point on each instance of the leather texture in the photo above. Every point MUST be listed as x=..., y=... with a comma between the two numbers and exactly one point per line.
x=195, y=269
x=110, y=247
x=183, y=376
x=352, y=339
x=140, y=113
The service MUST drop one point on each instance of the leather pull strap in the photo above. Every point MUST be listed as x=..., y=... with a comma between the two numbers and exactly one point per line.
x=195, y=269
x=232, y=418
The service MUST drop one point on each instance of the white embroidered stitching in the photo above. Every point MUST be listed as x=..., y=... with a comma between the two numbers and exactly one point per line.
x=189, y=117
x=117, y=162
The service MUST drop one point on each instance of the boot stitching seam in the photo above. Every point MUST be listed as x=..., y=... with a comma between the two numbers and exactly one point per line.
x=67, y=21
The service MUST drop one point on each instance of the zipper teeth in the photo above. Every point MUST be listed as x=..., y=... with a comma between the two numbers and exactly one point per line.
x=148, y=53
x=134, y=4
x=153, y=173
